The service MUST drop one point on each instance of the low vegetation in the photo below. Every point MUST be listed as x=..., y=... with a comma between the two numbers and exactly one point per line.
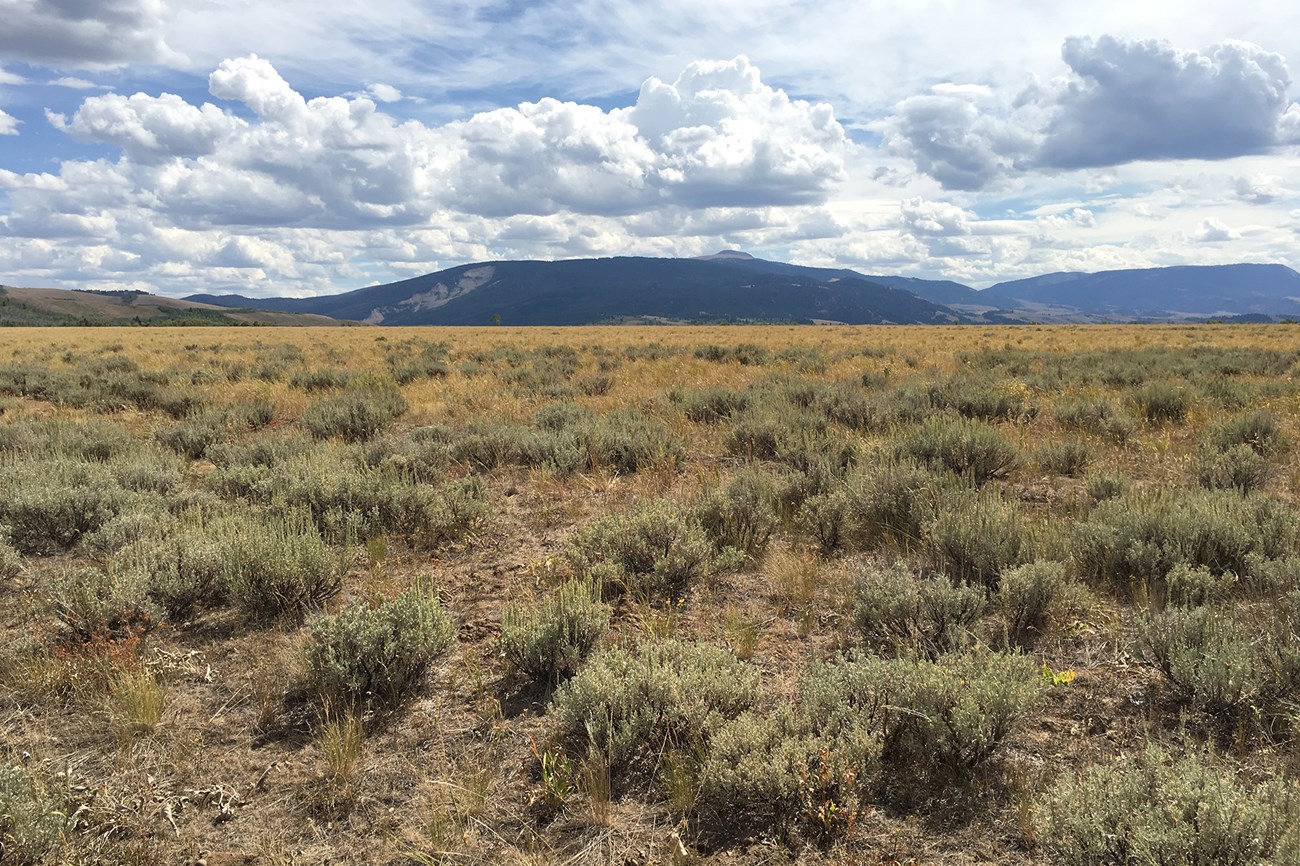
x=711, y=595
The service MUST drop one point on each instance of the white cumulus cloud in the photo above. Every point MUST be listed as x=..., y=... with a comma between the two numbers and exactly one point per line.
x=1133, y=100
x=1214, y=230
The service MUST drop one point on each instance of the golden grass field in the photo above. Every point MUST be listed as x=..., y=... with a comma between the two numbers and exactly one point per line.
x=201, y=740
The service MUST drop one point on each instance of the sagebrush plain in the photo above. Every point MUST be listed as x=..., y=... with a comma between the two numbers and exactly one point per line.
x=650, y=595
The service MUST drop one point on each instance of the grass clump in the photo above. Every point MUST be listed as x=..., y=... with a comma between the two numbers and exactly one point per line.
x=655, y=551
x=374, y=659
x=550, y=640
x=1155, y=809
x=906, y=613
x=633, y=706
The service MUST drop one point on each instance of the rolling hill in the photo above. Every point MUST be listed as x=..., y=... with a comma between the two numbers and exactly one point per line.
x=47, y=307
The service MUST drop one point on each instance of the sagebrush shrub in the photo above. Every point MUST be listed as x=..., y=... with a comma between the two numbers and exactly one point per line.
x=49, y=505
x=656, y=550
x=1240, y=468
x=32, y=823
x=1026, y=595
x=279, y=567
x=712, y=405
x=1152, y=808
x=893, y=501
x=357, y=414
x=1095, y=415
x=11, y=561
x=375, y=658
x=549, y=640
x=1106, y=485
x=93, y=603
x=1069, y=457
x=905, y=612
x=627, y=441
x=938, y=719
x=634, y=706
x=975, y=536
x=193, y=436
x=345, y=499
x=1162, y=402
x=750, y=780
x=971, y=449
x=743, y=515
x=1144, y=536
x=1210, y=659
x=1257, y=430
x=987, y=400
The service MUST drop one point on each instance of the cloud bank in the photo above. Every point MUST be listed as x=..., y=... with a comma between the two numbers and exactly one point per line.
x=1124, y=101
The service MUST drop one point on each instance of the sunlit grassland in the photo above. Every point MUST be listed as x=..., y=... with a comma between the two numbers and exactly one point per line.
x=648, y=594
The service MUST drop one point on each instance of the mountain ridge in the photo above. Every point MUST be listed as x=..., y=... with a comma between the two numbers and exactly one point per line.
x=734, y=286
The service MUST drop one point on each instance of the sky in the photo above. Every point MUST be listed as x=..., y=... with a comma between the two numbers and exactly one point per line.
x=296, y=148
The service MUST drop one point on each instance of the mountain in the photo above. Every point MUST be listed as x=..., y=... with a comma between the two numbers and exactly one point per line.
x=729, y=287
x=19, y=306
x=1166, y=293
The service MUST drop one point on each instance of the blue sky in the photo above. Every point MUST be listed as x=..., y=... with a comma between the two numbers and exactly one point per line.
x=297, y=148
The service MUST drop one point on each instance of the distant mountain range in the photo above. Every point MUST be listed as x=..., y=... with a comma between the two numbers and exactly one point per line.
x=722, y=288
x=734, y=287
x=726, y=287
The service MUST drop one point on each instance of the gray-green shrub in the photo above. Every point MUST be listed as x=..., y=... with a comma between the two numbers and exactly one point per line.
x=904, y=612
x=1240, y=468
x=548, y=641
x=656, y=550
x=1162, y=402
x=633, y=706
x=95, y=603
x=970, y=449
x=1069, y=457
x=743, y=515
x=1152, y=808
x=1026, y=595
x=938, y=719
x=357, y=414
x=977, y=535
x=50, y=504
x=1144, y=536
x=376, y=658
x=32, y=824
